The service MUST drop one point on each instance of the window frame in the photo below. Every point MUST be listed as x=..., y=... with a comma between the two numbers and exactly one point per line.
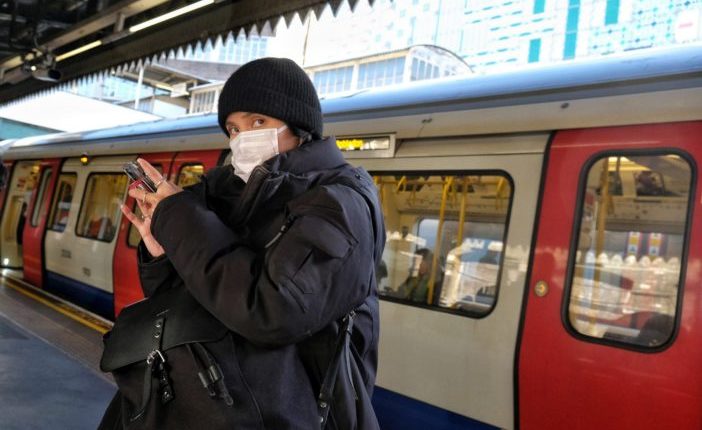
x=54, y=201
x=82, y=203
x=575, y=234
x=505, y=238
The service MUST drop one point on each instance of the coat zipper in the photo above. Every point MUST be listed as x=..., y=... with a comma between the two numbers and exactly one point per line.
x=283, y=228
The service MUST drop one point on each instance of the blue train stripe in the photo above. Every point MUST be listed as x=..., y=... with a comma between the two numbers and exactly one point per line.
x=397, y=412
x=90, y=298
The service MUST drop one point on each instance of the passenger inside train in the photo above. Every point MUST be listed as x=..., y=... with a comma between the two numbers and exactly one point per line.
x=649, y=183
x=62, y=207
x=445, y=243
x=416, y=286
x=99, y=215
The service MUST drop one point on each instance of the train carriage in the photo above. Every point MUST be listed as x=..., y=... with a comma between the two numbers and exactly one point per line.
x=541, y=268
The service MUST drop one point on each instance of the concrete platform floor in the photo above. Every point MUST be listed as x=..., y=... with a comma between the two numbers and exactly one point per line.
x=49, y=376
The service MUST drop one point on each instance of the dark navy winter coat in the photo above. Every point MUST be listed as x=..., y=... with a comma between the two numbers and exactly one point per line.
x=279, y=261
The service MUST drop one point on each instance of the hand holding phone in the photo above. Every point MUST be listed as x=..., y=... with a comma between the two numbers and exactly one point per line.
x=148, y=194
x=139, y=177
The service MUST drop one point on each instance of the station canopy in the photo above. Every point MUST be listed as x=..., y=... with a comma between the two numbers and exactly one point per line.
x=43, y=42
x=63, y=107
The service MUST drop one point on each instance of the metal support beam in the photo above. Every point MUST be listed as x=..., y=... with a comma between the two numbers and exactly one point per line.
x=22, y=20
x=97, y=22
x=218, y=19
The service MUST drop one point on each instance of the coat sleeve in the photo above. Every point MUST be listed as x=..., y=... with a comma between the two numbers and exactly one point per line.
x=317, y=270
x=154, y=272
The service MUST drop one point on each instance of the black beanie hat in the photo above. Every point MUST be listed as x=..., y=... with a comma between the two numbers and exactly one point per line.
x=276, y=87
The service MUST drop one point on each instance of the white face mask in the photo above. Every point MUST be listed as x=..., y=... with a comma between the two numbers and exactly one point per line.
x=253, y=147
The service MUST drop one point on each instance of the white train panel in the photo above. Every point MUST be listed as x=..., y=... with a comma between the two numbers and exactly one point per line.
x=86, y=255
x=461, y=363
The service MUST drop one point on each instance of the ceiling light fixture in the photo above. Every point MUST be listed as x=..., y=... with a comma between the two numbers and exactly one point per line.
x=170, y=15
x=41, y=65
x=80, y=50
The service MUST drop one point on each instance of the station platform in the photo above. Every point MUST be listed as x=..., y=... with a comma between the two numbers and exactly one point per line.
x=49, y=356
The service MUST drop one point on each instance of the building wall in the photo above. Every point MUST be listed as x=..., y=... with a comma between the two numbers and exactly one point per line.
x=14, y=130
x=501, y=34
x=497, y=33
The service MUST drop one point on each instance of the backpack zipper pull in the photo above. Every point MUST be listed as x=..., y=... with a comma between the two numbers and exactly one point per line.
x=164, y=383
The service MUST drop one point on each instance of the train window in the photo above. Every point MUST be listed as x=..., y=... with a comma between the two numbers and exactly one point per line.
x=445, y=240
x=190, y=174
x=100, y=209
x=61, y=206
x=39, y=205
x=626, y=273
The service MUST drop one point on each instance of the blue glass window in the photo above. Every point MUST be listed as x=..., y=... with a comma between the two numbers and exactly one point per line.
x=612, y=12
x=534, y=50
x=571, y=29
x=539, y=6
x=334, y=80
x=380, y=73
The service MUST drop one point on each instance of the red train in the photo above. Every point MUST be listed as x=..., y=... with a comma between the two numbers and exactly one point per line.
x=543, y=260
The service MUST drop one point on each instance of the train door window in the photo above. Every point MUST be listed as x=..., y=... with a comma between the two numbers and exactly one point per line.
x=134, y=237
x=626, y=272
x=63, y=197
x=100, y=209
x=24, y=180
x=39, y=204
x=190, y=174
x=445, y=239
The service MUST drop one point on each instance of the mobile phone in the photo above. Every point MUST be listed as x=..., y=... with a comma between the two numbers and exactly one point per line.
x=138, y=176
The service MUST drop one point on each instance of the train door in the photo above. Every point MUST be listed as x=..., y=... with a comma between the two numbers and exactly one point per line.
x=127, y=286
x=36, y=222
x=22, y=183
x=6, y=172
x=4, y=182
x=613, y=317
x=81, y=232
x=184, y=169
x=458, y=215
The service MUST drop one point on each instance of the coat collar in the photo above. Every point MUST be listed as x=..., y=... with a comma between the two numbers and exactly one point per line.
x=287, y=175
x=312, y=156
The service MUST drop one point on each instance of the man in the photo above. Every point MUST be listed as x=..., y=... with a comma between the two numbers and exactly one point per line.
x=280, y=247
x=416, y=286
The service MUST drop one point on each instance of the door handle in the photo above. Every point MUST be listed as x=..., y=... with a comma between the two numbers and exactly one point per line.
x=541, y=289
x=65, y=253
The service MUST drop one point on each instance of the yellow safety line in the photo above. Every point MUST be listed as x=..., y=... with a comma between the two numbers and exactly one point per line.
x=57, y=308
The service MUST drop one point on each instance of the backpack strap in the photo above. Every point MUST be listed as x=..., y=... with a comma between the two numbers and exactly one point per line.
x=155, y=364
x=209, y=372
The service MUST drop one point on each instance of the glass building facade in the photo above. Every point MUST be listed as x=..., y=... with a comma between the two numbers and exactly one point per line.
x=500, y=34
x=496, y=34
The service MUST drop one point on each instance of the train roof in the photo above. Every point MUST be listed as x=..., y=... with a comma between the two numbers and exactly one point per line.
x=630, y=73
